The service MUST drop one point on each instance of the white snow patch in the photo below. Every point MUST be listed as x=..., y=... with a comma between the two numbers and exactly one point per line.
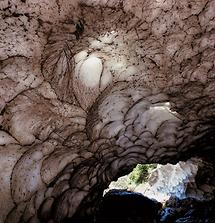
x=80, y=56
x=91, y=71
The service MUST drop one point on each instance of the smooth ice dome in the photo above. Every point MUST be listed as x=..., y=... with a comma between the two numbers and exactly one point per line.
x=90, y=71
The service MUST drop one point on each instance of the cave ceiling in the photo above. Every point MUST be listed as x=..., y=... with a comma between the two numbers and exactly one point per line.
x=88, y=89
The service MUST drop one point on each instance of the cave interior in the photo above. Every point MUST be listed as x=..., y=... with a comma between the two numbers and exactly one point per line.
x=91, y=88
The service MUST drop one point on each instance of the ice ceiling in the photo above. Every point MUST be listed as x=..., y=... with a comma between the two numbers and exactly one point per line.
x=89, y=89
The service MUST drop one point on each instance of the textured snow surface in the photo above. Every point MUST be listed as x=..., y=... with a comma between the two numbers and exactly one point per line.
x=88, y=89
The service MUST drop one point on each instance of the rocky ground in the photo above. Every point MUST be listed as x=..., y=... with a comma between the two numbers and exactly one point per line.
x=188, y=210
x=130, y=207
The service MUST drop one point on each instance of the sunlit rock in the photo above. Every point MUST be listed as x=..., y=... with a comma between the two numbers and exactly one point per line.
x=181, y=180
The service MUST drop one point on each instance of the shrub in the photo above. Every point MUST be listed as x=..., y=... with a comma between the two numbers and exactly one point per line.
x=141, y=173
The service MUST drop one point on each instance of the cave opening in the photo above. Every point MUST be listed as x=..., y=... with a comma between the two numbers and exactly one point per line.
x=138, y=181
x=181, y=192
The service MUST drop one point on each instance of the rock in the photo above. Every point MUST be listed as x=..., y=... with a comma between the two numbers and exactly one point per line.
x=168, y=215
x=183, y=180
x=188, y=210
x=125, y=206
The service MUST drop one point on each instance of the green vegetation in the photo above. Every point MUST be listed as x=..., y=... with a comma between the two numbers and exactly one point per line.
x=141, y=173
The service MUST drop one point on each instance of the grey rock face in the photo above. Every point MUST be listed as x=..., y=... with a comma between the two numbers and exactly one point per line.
x=88, y=89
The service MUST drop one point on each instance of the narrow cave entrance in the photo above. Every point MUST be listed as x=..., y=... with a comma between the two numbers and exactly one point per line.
x=181, y=192
x=140, y=180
